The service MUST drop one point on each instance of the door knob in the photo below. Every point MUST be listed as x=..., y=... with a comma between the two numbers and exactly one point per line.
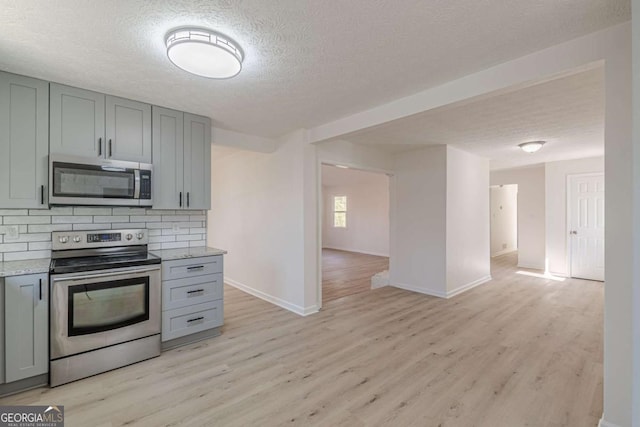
x=573, y=232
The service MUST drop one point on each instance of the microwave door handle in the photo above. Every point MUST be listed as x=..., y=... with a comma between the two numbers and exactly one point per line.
x=136, y=191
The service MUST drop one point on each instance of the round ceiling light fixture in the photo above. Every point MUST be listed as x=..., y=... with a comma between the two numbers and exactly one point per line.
x=204, y=52
x=531, y=146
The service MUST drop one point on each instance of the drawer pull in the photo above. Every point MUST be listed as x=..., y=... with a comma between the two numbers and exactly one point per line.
x=194, y=320
x=195, y=291
x=199, y=267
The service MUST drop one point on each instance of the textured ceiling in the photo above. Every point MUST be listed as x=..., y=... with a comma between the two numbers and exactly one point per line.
x=307, y=62
x=336, y=177
x=568, y=113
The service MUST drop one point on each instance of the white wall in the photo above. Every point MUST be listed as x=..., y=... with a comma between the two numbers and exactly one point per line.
x=358, y=156
x=556, y=174
x=367, y=194
x=531, y=212
x=257, y=215
x=418, y=231
x=504, y=219
x=468, y=233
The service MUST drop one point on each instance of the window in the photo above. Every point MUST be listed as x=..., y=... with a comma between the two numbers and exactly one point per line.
x=340, y=211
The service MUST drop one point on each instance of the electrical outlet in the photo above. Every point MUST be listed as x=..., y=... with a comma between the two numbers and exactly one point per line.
x=504, y=246
x=11, y=232
x=175, y=228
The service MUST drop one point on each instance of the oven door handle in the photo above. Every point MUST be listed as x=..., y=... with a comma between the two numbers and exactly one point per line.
x=101, y=275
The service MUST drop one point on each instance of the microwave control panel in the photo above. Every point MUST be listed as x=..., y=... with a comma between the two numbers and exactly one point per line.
x=145, y=184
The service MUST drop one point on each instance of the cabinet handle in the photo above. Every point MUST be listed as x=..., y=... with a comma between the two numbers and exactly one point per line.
x=99, y=147
x=181, y=199
x=198, y=267
x=187, y=199
x=195, y=291
x=42, y=194
x=195, y=320
x=110, y=153
x=40, y=280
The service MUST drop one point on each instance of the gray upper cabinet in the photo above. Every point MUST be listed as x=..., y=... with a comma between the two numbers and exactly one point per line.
x=91, y=124
x=181, y=160
x=26, y=326
x=168, y=155
x=197, y=161
x=24, y=129
x=77, y=121
x=128, y=132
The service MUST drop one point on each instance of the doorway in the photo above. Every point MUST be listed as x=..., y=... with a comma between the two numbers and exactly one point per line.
x=585, y=221
x=355, y=231
x=504, y=220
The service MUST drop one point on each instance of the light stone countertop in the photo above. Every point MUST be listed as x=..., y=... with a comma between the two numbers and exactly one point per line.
x=28, y=266
x=182, y=253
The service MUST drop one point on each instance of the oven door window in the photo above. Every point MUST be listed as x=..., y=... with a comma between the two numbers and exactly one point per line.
x=99, y=307
x=72, y=180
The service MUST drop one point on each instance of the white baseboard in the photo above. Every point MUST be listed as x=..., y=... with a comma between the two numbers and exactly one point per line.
x=604, y=423
x=441, y=294
x=530, y=265
x=430, y=292
x=294, y=308
x=357, y=251
x=503, y=252
x=466, y=287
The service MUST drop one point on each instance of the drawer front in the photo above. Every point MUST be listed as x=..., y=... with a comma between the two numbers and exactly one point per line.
x=192, y=290
x=189, y=320
x=191, y=267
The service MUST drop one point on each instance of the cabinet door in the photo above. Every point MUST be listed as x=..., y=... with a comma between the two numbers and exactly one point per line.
x=77, y=121
x=197, y=161
x=24, y=141
x=26, y=326
x=128, y=129
x=168, y=155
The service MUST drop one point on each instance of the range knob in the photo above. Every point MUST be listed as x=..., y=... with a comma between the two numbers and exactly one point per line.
x=77, y=239
x=129, y=236
x=139, y=236
x=63, y=239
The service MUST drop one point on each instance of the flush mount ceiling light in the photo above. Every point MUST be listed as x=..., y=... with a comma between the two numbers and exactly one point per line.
x=204, y=52
x=531, y=146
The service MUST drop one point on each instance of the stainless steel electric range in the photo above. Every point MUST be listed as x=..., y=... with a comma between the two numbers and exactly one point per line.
x=105, y=302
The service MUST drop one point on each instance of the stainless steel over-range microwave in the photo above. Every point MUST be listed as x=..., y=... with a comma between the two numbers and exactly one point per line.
x=88, y=182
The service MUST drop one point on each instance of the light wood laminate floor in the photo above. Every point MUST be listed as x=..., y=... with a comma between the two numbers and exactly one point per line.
x=517, y=351
x=348, y=273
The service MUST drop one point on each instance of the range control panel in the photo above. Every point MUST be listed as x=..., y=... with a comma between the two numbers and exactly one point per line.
x=103, y=237
x=98, y=238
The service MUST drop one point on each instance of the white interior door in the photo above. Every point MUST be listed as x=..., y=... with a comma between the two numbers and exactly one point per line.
x=586, y=226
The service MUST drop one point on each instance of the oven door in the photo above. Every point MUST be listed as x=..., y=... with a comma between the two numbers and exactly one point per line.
x=91, y=310
x=80, y=181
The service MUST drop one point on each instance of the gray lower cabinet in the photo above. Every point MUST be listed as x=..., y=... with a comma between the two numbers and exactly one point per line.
x=91, y=124
x=26, y=332
x=192, y=299
x=181, y=160
x=24, y=142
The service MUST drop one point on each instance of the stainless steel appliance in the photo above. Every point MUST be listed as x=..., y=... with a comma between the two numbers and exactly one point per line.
x=105, y=302
x=88, y=181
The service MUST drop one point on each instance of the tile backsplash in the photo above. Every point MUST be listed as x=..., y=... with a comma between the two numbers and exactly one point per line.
x=168, y=229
